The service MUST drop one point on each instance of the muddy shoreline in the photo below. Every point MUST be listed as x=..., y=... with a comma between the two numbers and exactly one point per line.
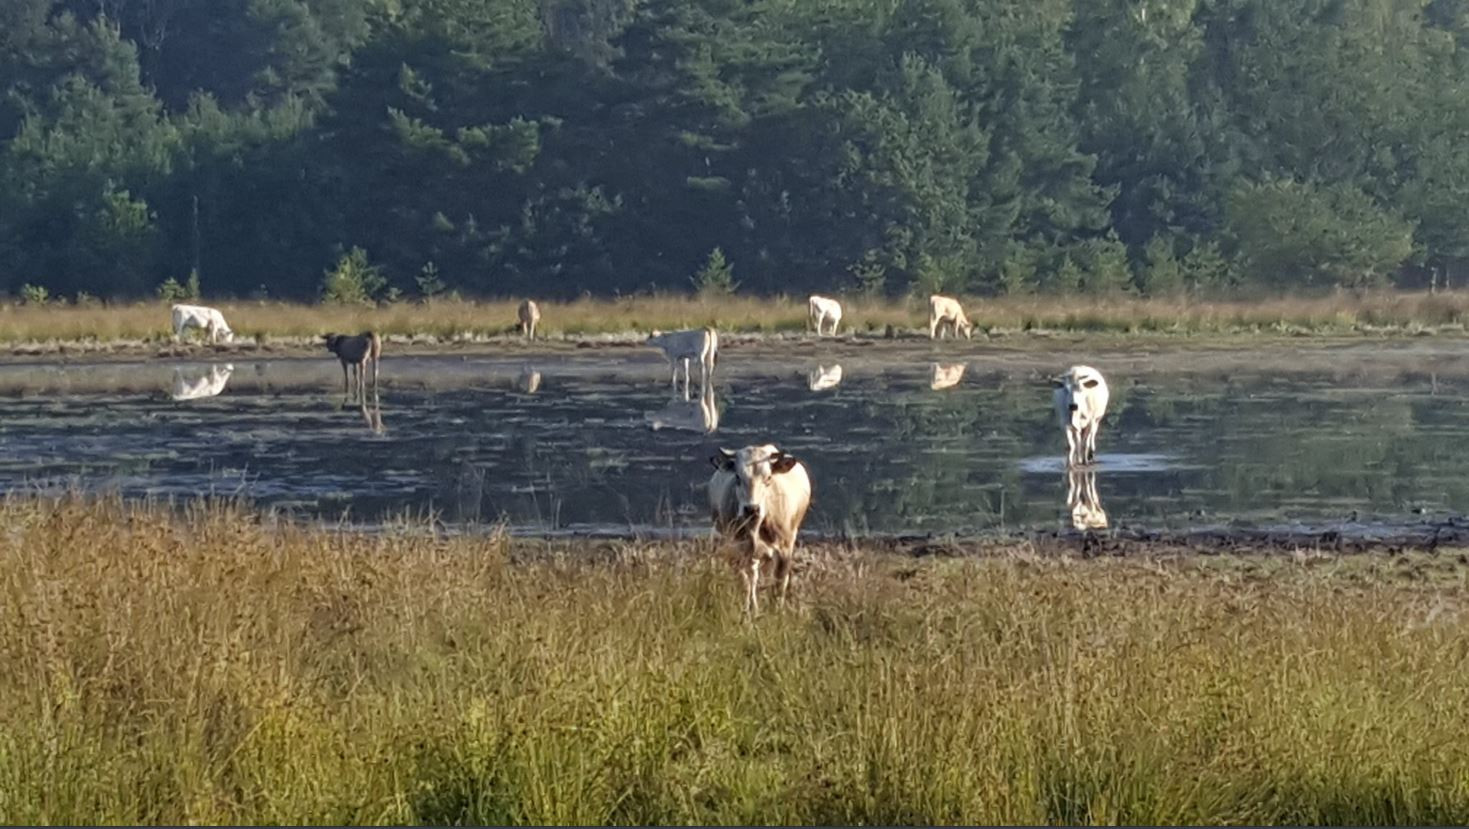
x=1037, y=340
x=1449, y=536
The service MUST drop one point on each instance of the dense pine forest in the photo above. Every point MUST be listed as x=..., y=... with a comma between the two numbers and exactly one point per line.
x=563, y=147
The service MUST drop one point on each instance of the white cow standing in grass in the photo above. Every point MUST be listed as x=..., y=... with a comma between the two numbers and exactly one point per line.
x=1081, y=403
x=946, y=311
x=528, y=315
x=823, y=310
x=758, y=497
x=700, y=344
x=209, y=320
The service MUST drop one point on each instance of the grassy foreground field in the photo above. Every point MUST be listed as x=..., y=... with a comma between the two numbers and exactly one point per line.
x=1387, y=312
x=209, y=668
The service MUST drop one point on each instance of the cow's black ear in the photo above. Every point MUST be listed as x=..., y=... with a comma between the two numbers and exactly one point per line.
x=724, y=459
x=783, y=463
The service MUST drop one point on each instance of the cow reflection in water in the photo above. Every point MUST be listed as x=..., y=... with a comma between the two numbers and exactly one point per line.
x=700, y=415
x=372, y=415
x=821, y=377
x=529, y=380
x=1082, y=499
x=945, y=376
x=201, y=382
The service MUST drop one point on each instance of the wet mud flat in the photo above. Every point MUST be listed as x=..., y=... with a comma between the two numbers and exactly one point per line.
x=916, y=447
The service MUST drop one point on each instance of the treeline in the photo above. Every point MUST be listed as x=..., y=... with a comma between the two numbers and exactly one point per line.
x=556, y=147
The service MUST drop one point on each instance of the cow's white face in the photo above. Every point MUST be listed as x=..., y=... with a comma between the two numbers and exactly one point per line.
x=228, y=335
x=754, y=467
x=1077, y=392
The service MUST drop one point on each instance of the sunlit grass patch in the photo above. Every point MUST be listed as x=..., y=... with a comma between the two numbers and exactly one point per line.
x=215, y=666
x=43, y=327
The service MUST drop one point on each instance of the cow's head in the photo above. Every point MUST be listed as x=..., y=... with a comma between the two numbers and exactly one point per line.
x=966, y=328
x=330, y=340
x=227, y=334
x=753, y=467
x=1081, y=401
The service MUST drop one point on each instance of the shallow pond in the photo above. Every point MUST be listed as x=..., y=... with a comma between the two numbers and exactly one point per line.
x=904, y=438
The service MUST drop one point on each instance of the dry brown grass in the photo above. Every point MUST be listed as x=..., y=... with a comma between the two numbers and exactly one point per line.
x=1337, y=314
x=213, y=667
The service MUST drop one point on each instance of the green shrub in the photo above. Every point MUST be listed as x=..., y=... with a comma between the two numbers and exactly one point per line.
x=716, y=278
x=353, y=281
x=34, y=294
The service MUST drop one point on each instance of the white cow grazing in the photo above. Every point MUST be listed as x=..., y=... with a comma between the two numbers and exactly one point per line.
x=946, y=311
x=529, y=315
x=207, y=319
x=824, y=377
x=1082, y=499
x=759, y=496
x=1081, y=403
x=700, y=344
x=822, y=310
x=206, y=384
x=700, y=415
x=946, y=376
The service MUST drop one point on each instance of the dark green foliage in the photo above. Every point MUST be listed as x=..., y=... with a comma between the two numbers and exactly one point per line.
x=354, y=281
x=716, y=278
x=558, y=147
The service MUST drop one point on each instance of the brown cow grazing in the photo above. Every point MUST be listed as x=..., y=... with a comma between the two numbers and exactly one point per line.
x=529, y=315
x=759, y=496
x=356, y=350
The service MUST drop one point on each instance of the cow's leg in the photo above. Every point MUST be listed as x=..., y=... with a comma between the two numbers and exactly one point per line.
x=783, y=574
x=1070, y=446
x=346, y=386
x=933, y=327
x=1091, y=441
x=752, y=583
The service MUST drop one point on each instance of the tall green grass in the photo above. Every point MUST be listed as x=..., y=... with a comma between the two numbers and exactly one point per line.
x=213, y=667
x=450, y=321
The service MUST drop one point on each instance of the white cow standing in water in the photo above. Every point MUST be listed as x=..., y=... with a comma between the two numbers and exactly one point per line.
x=1081, y=403
x=700, y=344
x=822, y=310
x=207, y=384
x=207, y=319
x=758, y=497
